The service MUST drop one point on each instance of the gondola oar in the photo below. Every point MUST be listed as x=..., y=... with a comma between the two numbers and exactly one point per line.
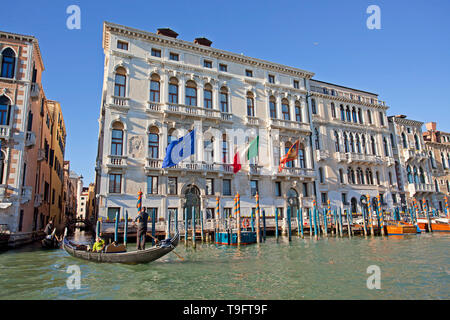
x=156, y=240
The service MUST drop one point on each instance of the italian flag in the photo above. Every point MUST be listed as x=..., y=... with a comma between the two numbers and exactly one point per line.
x=245, y=154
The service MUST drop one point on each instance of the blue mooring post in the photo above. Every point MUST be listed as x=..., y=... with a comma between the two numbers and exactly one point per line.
x=153, y=225
x=411, y=214
x=289, y=222
x=252, y=219
x=176, y=220
x=185, y=226
x=341, y=226
x=98, y=228
x=310, y=222
x=201, y=224
x=315, y=222
x=116, y=227
x=125, y=229
x=336, y=224
x=168, y=224
x=298, y=222
x=193, y=226
x=325, y=221
x=276, y=223
x=264, y=224
x=301, y=223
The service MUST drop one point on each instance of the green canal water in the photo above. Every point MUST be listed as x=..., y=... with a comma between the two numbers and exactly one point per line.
x=412, y=267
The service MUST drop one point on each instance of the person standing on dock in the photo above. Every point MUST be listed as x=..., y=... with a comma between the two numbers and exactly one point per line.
x=141, y=220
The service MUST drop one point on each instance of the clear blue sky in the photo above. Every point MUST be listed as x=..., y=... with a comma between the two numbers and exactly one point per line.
x=407, y=62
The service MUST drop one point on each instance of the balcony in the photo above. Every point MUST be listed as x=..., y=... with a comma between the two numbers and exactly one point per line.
x=254, y=169
x=409, y=154
x=227, y=117
x=357, y=158
x=5, y=132
x=119, y=103
x=251, y=121
x=153, y=164
x=201, y=167
x=25, y=194
x=30, y=138
x=192, y=111
x=35, y=90
x=297, y=172
x=289, y=125
x=414, y=188
x=118, y=162
x=154, y=107
x=322, y=155
x=40, y=154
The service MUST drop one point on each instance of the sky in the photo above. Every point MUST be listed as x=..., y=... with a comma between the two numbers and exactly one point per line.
x=406, y=62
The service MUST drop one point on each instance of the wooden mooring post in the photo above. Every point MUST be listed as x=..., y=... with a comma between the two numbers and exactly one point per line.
x=125, y=229
x=364, y=221
x=193, y=226
x=429, y=221
x=310, y=222
x=185, y=226
x=315, y=223
x=276, y=223
x=238, y=218
x=301, y=223
x=264, y=224
x=349, y=231
x=153, y=226
x=325, y=222
x=201, y=226
x=116, y=227
x=341, y=226
x=289, y=222
x=258, y=228
x=336, y=222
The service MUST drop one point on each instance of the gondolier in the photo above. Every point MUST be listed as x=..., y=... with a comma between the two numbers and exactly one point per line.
x=141, y=220
x=49, y=228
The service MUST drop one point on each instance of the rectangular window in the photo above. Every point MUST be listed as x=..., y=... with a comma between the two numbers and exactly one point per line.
x=277, y=188
x=172, y=185
x=249, y=73
x=207, y=101
x=226, y=187
x=344, y=199
x=122, y=45
x=174, y=56
x=271, y=78
x=21, y=220
x=296, y=84
x=254, y=187
x=207, y=64
x=156, y=53
x=173, y=93
x=116, y=142
x=46, y=191
x=53, y=196
x=112, y=213
x=152, y=185
x=154, y=91
x=381, y=119
x=223, y=67
x=115, y=183
x=209, y=187
x=305, y=189
x=324, y=197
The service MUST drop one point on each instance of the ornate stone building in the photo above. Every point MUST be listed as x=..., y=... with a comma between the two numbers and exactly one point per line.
x=157, y=88
x=437, y=144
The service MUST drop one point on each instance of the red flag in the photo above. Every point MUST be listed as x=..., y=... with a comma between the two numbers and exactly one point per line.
x=236, y=163
x=291, y=155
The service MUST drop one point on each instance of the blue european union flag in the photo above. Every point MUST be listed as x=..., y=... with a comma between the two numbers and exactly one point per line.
x=179, y=149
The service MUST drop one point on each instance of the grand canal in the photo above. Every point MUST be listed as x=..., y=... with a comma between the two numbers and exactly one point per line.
x=412, y=267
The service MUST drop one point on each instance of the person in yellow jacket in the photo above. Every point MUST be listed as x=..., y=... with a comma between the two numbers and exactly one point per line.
x=98, y=245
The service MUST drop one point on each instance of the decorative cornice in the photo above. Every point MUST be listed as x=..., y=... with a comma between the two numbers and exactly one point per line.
x=408, y=122
x=350, y=101
x=185, y=45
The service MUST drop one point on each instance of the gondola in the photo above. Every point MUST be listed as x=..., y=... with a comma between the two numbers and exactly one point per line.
x=133, y=257
x=50, y=243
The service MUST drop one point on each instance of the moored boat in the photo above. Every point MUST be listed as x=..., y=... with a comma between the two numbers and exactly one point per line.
x=132, y=257
x=400, y=228
x=440, y=225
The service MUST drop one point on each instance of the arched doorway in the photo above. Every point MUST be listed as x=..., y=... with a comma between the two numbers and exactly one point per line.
x=354, y=205
x=293, y=202
x=192, y=200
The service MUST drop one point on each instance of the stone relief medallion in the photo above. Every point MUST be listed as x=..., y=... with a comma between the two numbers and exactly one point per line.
x=136, y=147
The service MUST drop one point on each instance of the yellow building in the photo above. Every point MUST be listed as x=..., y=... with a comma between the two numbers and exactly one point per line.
x=56, y=161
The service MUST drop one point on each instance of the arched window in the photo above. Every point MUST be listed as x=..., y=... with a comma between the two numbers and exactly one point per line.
x=5, y=107
x=421, y=175
x=117, y=139
x=337, y=142
x=346, y=148
x=360, y=116
x=409, y=174
x=390, y=178
x=444, y=165
x=120, y=82
x=416, y=139
x=224, y=100
x=386, y=147
x=153, y=143
x=352, y=143
x=173, y=90
x=358, y=144
x=273, y=107
x=285, y=109
x=317, y=139
x=191, y=93
x=351, y=175
x=342, y=113
x=432, y=160
x=313, y=106
x=301, y=156
x=341, y=176
x=404, y=141
x=355, y=119
x=171, y=135
x=377, y=176
x=416, y=175
x=333, y=110
x=374, y=146
x=298, y=112
x=225, y=150
x=154, y=88
x=8, y=63
x=207, y=96
x=369, y=176
x=250, y=104
x=347, y=111
x=436, y=185
x=359, y=176
x=364, y=149
x=321, y=176
x=369, y=116
x=208, y=148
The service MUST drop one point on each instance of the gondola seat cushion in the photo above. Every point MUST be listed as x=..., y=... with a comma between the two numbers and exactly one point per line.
x=110, y=248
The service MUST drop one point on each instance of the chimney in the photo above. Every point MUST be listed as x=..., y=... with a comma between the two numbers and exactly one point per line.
x=431, y=126
x=203, y=42
x=167, y=32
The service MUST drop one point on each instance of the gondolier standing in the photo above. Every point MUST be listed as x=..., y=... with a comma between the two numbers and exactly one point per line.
x=141, y=220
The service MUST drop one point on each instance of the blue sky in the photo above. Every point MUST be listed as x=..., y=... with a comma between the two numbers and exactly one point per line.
x=407, y=62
